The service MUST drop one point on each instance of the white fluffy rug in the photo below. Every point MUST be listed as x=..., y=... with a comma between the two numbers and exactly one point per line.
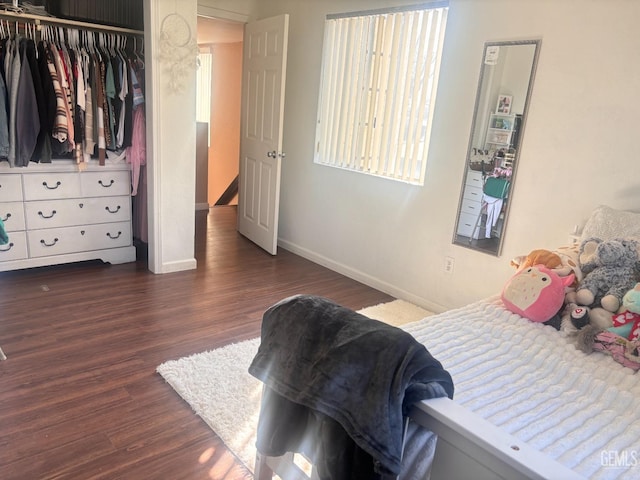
x=219, y=389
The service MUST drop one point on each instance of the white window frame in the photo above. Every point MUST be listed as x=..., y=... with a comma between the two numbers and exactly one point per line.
x=374, y=65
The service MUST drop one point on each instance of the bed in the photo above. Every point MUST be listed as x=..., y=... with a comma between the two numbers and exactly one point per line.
x=530, y=382
x=528, y=403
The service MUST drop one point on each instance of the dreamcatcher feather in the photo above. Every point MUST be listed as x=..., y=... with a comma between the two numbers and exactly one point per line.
x=178, y=50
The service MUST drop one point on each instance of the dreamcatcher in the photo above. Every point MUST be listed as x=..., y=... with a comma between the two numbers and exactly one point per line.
x=178, y=50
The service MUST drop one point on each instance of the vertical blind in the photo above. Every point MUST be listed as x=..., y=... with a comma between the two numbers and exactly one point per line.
x=379, y=81
x=203, y=87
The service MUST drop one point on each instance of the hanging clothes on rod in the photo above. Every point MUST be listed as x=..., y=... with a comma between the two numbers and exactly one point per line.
x=23, y=125
x=70, y=93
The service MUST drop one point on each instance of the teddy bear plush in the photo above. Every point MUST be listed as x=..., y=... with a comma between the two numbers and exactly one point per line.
x=610, y=270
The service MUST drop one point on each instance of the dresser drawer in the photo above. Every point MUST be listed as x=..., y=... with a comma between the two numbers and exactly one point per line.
x=99, y=184
x=471, y=207
x=77, y=211
x=12, y=214
x=10, y=188
x=58, y=241
x=474, y=179
x=48, y=186
x=109, y=235
x=16, y=249
x=466, y=225
x=472, y=193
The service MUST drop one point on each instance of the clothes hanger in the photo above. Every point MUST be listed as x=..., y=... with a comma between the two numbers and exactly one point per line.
x=47, y=34
x=91, y=36
x=140, y=54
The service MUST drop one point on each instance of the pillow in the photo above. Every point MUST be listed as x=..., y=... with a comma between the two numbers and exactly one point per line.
x=608, y=223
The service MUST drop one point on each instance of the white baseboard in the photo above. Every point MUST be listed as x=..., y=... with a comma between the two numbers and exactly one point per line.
x=361, y=277
x=179, y=266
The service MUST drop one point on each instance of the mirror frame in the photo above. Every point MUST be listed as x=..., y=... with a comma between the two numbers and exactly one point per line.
x=538, y=43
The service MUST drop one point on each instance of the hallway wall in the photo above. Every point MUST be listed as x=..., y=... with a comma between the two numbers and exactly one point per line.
x=224, y=40
x=224, y=152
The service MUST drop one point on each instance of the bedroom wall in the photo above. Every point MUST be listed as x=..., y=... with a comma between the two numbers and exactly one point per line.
x=579, y=149
x=171, y=147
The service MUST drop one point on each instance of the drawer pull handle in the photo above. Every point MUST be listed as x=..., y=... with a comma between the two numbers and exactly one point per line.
x=53, y=212
x=81, y=205
x=106, y=186
x=112, y=237
x=112, y=211
x=7, y=217
x=46, y=185
x=55, y=240
x=7, y=248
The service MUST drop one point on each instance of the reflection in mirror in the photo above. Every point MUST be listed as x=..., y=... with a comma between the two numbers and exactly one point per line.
x=504, y=91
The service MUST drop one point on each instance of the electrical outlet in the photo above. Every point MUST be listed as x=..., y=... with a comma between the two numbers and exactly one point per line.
x=448, y=264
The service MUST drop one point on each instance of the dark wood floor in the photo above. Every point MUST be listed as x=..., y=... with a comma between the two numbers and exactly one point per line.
x=79, y=395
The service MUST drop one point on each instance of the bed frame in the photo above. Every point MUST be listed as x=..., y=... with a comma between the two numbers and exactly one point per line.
x=471, y=447
x=467, y=447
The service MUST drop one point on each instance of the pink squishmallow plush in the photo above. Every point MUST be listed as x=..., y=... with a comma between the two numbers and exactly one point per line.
x=536, y=293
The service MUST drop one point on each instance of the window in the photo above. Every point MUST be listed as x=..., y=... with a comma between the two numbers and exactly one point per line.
x=203, y=87
x=379, y=81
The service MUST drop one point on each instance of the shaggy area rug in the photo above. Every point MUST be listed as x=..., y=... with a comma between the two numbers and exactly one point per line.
x=219, y=389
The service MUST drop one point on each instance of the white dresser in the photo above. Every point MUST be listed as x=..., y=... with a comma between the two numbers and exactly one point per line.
x=471, y=206
x=55, y=214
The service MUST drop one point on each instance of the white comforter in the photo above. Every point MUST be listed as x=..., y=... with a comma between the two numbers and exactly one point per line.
x=528, y=379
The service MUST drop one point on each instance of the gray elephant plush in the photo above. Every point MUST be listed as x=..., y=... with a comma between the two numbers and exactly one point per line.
x=610, y=269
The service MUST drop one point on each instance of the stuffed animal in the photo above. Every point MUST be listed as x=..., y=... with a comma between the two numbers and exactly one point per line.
x=536, y=293
x=539, y=256
x=583, y=322
x=610, y=269
x=625, y=323
x=563, y=261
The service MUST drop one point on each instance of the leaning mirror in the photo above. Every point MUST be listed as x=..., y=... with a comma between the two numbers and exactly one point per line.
x=497, y=129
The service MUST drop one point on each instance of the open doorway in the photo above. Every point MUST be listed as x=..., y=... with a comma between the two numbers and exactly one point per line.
x=218, y=142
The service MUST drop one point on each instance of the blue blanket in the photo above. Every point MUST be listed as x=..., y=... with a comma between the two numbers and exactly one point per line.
x=4, y=238
x=326, y=366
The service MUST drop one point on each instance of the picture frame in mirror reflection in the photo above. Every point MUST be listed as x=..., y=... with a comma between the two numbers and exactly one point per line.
x=504, y=104
x=507, y=71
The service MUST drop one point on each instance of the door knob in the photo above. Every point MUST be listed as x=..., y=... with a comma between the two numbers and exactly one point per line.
x=274, y=154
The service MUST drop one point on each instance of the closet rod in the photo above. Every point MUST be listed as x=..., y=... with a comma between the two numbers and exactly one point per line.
x=61, y=22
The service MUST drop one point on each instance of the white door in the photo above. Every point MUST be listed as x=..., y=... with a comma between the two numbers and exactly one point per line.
x=263, y=79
